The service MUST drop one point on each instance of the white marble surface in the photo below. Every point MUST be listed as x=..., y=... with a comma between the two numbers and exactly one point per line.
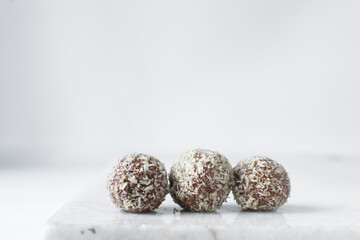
x=30, y=195
x=323, y=205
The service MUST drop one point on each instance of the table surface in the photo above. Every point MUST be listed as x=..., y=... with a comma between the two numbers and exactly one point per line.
x=323, y=205
x=29, y=196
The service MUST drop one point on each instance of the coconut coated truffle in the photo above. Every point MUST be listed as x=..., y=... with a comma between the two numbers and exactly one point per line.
x=260, y=184
x=138, y=183
x=200, y=180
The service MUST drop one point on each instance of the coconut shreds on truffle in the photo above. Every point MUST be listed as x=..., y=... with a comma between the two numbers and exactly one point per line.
x=138, y=183
x=200, y=180
x=260, y=184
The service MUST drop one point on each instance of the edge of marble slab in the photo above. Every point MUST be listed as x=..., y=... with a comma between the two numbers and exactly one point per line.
x=270, y=228
x=65, y=232
x=230, y=222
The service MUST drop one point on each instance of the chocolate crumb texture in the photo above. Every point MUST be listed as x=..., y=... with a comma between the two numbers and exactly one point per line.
x=200, y=180
x=138, y=183
x=260, y=183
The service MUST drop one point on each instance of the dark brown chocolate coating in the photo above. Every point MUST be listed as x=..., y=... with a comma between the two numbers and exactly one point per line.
x=138, y=183
x=200, y=180
x=260, y=184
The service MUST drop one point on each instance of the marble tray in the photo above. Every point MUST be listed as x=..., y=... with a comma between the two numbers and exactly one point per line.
x=324, y=204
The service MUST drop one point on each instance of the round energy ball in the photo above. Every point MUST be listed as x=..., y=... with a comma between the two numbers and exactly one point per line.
x=200, y=180
x=138, y=183
x=260, y=184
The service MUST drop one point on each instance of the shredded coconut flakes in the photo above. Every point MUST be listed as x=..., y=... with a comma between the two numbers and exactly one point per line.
x=260, y=184
x=138, y=183
x=200, y=180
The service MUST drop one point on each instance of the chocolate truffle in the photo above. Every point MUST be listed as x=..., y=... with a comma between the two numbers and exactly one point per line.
x=260, y=184
x=200, y=180
x=138, y=183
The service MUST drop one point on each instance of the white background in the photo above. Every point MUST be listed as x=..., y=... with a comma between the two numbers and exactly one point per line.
x=84, y=82
x=87, y=81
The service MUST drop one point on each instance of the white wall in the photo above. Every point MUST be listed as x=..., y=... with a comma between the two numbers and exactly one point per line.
x=88, y=81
